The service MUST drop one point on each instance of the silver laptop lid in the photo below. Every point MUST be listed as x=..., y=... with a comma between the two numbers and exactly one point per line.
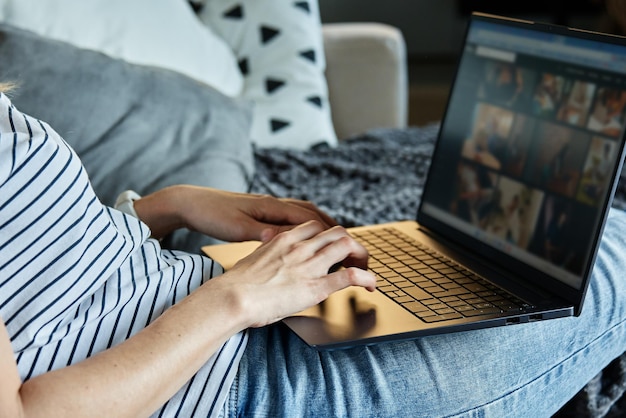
x=526, y=162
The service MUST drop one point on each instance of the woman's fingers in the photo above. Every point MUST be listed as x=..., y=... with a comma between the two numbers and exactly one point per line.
x=287, y=214
x=327, y=247
x=293, y=246
x=291, y=272
x=351, y=276
x=308, y=206
x=339, y=247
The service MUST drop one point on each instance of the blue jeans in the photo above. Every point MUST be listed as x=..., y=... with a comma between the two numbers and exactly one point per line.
x=527, y=370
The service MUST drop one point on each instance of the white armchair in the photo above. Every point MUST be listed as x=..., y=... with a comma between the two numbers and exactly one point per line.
x=366, y=71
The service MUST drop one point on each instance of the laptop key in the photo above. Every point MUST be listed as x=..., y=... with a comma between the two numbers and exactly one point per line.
x=417, y=293
x=456, y=276
x=403, y=284
x=478, y=312
x=475, y=287
x=432, y=301
x=433, y=288
x=395, y=279
x=416, y=307
x=484, y=305
x=452, y=292
x=506, y=305
x=442, y=317
x=445, y=311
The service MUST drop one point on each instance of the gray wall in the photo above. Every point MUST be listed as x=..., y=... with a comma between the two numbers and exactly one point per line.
x=430, y=27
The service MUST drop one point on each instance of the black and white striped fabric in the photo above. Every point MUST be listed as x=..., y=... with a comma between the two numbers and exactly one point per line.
x=77, y=277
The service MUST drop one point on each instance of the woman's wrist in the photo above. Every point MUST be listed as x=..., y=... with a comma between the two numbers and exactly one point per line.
x=233, y=298
x=162, y=210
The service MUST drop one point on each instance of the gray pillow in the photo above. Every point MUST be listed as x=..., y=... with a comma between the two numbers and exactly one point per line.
x=135, y=127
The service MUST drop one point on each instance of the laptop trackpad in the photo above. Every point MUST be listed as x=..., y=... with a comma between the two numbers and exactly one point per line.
x=352, y=314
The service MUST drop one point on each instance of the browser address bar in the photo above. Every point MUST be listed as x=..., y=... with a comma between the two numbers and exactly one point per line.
x=497, y=54
x=537, y=46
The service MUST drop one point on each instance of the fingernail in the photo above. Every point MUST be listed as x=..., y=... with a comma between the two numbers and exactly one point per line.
x=266, y=234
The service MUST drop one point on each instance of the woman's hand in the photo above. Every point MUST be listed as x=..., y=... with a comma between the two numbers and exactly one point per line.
x=225, y=215
x=291, y=272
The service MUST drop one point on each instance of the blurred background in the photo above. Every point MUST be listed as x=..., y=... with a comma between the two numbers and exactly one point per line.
x=434, y=29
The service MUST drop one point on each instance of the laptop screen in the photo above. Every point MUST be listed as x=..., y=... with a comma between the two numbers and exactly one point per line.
x=530, y=145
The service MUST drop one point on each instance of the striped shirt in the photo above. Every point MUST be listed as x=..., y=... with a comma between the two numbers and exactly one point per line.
x=77, y=277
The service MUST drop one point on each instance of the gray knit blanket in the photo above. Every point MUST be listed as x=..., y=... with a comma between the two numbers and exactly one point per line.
x=375, y=177
x=378, y=177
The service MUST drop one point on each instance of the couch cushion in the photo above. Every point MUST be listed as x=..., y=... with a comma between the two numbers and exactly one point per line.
x=134, y=127
x=164, y=33
x=279, y=47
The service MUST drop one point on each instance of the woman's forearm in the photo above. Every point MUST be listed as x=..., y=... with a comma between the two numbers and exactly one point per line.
x=139, y=375
x=224, y=215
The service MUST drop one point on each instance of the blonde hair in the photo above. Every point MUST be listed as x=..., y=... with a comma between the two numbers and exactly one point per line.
x=6, y=87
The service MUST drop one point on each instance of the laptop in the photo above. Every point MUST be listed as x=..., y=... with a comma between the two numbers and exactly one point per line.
x=521, y=179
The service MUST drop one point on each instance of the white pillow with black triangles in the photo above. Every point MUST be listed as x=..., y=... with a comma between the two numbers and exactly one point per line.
x=279, y=47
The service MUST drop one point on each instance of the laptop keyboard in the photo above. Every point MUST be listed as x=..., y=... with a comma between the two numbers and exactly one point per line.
x=428, y=284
